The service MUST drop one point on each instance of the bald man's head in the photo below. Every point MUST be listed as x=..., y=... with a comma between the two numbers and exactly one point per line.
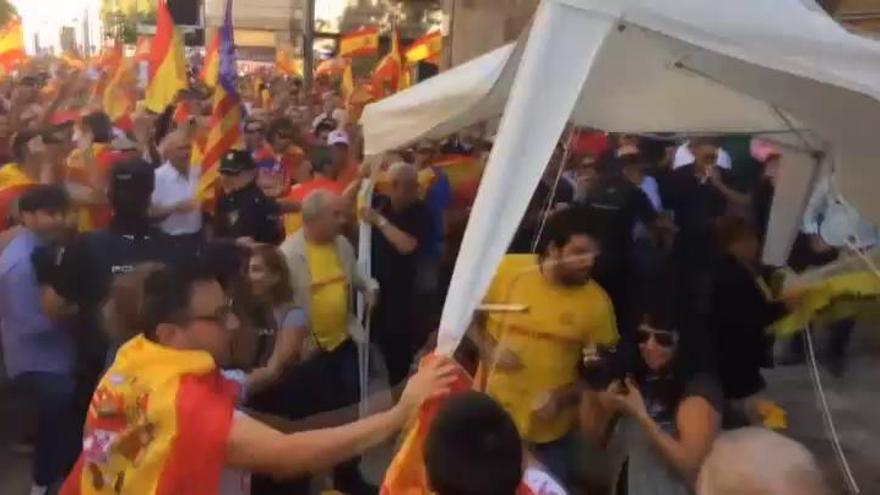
x=756, y=461
x=177, y=148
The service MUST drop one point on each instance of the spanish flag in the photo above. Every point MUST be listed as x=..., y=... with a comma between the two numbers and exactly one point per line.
x=90, y=217
x=212, y=63
x=225, y=129
x=158, y=424
x=11, y=45
x=118, y=96
x=389, y=75
x=286, y=65
x=167, y=72
x=332, y=66
x=360, y=43
x=13, y=182
x=109, y=58
x=427, y=48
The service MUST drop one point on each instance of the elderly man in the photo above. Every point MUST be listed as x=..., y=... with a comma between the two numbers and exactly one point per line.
x=401, y=226
x=174, y=204
x=323, y=269
x=755, y=461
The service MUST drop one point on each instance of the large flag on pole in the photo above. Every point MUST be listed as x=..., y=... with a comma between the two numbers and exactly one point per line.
x=427, y=48
x=212, y=62
x=225, y=131
x=389, y=76
x=360, y=43
x=118, y=97
x=167, y=70
x=11, y=45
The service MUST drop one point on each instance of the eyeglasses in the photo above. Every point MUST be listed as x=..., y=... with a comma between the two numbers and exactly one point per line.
x=664, y=339
x=219, y=317
x=254, y=131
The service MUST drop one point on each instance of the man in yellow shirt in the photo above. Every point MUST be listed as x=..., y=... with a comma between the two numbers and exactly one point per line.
x=324, y=274
x=531, y=357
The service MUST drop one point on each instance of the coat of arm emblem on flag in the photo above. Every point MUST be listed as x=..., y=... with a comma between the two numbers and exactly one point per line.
x=119, y=432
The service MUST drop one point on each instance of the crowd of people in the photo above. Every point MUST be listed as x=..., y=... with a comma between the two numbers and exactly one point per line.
x=621, y=338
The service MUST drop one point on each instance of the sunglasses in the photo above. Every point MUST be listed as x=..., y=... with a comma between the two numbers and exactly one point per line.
x=664, y=339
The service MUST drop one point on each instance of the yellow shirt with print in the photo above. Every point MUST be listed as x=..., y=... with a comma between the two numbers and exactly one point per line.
x=549, y=340
x=329, y=305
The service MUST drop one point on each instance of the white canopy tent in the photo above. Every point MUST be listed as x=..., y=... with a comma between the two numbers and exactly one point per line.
x=692, y=66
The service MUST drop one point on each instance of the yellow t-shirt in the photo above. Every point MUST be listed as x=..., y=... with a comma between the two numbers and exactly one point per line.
x=329, y=307
x=549, y=340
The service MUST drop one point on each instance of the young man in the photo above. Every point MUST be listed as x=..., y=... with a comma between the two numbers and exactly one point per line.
x=162, y=418
x=531, y=358
x=39, y=354
x=473, y=447
x=244, y=212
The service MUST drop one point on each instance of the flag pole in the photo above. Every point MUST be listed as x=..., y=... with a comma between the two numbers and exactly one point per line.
x=308, y=49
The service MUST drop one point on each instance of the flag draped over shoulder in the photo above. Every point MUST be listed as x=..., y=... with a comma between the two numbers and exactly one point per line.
x=167, y=70
x=158, y=424
x=211, y=69
x=427, y=48
x=360, y=43
x=13, y=182
x=11, y=45
x=225, y=127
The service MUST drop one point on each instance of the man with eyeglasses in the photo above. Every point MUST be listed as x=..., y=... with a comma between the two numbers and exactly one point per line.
x=163, y=417
x=531, y=357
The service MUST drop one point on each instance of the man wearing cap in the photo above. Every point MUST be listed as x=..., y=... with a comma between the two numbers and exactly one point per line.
x=347, y=169
x=39, y=354
x=244, y=212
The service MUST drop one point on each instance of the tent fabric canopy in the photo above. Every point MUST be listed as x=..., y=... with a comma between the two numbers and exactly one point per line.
x=698, y=66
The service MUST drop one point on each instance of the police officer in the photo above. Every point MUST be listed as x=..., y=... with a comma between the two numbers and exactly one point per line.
x=78, y=277
x=244, y=213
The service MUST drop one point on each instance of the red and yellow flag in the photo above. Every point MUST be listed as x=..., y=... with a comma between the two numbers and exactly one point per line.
x=427, y=48
x=109, y=58
x=118, y=97
x=90, y=217
x=13, y=182
x=11, y=45
x=167, y=73
x=390, y=75
x=331, y=67
x=347, y=84
x=212, y=62
x=360, y=43
x=158, y=424
x=286, y=65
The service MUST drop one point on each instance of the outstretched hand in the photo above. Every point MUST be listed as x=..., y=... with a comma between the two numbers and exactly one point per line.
x=434, y=379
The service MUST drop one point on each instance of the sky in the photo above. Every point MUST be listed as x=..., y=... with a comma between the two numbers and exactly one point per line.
x=47, y=17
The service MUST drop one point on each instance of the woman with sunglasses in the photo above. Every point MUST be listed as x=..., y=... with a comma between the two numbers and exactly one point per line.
x=659, y=423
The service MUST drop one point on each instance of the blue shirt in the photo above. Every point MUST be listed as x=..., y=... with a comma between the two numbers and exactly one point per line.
x=438, y=199
x=31, y=341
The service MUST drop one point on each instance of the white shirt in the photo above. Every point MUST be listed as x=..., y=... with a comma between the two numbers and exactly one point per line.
x=683, y=156
x=173, y=188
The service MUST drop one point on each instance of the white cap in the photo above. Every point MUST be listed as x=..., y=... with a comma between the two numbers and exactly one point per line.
x=337, y=137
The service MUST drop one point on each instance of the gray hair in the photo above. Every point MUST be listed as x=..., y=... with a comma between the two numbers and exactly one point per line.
x=316, y=203
x=757, y=460
x=403, y=170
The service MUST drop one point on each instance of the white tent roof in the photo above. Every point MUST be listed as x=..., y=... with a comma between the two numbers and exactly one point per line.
x=639, y=66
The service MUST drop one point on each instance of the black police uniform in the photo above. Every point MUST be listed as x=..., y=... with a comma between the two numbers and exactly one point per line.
x=247, y=212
